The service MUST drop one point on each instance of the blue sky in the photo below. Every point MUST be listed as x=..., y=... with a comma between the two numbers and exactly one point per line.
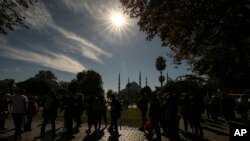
x=68, y=36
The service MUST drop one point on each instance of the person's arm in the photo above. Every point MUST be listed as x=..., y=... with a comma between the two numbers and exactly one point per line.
x=26, y=102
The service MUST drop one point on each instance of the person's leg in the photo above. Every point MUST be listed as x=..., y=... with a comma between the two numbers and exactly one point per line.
x=53, y=126
x=144, y=119
x=112, y=125
x=157, y=130
x=45, y=121
x=15, y=120
x=104, y=116
x=19, y=121
x=100, y=120
x=115, y=126
x=90, y=122
x=28, y=123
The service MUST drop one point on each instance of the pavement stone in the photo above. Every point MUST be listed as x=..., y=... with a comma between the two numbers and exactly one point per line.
x=212, y=132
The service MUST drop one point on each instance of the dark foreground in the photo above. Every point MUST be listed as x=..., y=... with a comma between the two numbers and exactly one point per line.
x=218, y=131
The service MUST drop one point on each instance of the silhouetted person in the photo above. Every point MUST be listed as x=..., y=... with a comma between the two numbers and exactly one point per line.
x=172, y=117
x=79, y=108
x=115, y=113
x=102, y=110
x=142, y=105
x=51, y=104
x=4, y=110
x=69, y=113
x=19, y=106
x=207, y=101
x=31, y=112
x=185, y=111
x=154, y=114
x=196, y=114
x=227, y=107
x=215, y=107
x=243, y=107
x=90, y=112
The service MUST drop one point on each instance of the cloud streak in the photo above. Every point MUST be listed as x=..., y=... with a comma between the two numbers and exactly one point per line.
x=40, y=18
x=52, y=60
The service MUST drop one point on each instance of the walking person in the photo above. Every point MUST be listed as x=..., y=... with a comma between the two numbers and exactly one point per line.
x=90, y=112
x=154, y=114
x=172, y=117
x=69, y=113
x=196, y=114
x=185, y=110
x=79, y=108
x=19, y=106
x=4, y=110
x=115, y=113
x=142, y=105
x=102, y=110
x=51, y=104
x=31, y=112
x=207, y=101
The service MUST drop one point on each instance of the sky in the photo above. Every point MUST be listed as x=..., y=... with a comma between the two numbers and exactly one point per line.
x=69, y=36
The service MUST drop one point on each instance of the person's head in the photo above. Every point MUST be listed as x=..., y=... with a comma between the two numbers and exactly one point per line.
x=14, y=89
x=113, y=96
x=21, y=91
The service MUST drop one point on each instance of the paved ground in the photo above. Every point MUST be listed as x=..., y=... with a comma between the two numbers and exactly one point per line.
x=212, y=132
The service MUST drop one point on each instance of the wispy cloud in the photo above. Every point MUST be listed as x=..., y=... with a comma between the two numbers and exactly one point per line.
x=85, y=47
x=93, y=7
x=52, y=60
x=39, y=17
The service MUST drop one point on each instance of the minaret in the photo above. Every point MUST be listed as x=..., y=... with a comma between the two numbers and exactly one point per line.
x=119, y=84
x=167, y=78
x=146, y=81
x=140, y=79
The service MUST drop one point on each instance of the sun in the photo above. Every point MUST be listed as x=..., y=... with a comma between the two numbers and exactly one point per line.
x=118, y=19
x=117, y=24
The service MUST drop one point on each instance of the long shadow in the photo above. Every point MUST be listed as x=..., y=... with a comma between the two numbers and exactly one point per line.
x=215, y=125
x=218, y=122
x=9, y=138
x=95, y=136
x=216, y=131
x=113, y=136
x=192, y=137
x=47, y=136
x=7, y=130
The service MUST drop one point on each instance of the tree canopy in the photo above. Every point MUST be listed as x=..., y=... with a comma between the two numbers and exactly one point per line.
x=10, y=13
x=41, y=83
x=212, y=35
x=90, y=82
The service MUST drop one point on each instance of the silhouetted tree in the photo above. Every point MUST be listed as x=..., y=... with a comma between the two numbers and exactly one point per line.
x=41, y=83
x=10, y=13
x=46, y=75
x=90, y=82
x=211, y=35
x=35, y=86
x=73, y=86
x=160, y=65
x=6, y=85
x=146, y=90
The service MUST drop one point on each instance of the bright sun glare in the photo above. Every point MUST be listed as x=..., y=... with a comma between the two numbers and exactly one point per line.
x=117, y=23
x=118, y=19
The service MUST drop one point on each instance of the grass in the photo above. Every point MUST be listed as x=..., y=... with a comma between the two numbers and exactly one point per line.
x=129, y=117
